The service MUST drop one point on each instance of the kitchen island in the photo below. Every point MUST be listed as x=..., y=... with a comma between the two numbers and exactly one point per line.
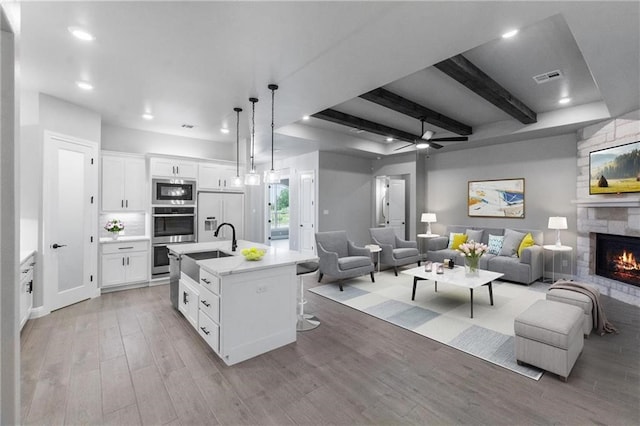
x=240, y=308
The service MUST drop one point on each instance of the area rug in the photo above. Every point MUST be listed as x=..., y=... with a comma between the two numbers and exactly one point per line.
x=444, y=315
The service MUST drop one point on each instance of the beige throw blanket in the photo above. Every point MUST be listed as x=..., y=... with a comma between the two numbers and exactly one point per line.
x=600, y=322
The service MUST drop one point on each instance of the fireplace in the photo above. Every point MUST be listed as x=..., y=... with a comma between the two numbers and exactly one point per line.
x=618, y=258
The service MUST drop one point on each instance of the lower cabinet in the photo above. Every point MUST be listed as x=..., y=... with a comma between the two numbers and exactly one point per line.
x=242, y=315
x=124, y=263
x=26, y=288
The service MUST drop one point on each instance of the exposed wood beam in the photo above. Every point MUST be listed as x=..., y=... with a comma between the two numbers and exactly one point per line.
x=369, y=126
x=464, y=71
x=404, y=106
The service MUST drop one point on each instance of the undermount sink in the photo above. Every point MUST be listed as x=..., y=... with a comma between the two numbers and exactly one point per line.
x=212, y=254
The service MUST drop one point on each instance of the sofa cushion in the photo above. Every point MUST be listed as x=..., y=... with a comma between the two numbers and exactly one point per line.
x=495, y=244
x=452, y=236
x=474, y=235
x=458, y=239
x=527, y=241
x=352, y=262
x=511, y=242
x=401, y=253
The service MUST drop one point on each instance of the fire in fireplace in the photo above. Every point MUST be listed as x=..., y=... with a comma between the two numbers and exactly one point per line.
x=618, y=258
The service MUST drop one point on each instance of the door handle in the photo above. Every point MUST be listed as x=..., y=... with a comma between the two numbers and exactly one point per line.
x=56, y=245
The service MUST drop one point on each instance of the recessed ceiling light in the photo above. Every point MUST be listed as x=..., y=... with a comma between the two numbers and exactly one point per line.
x=422, y=145
x=147, y=116
x=81, y=34
x=224, y=130
x=84, y=85
x=306, y=117
x=509, y=34
x=563, y=101
x=389, y=139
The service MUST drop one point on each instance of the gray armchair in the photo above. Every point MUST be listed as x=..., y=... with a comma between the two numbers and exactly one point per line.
x=340, y=258
x=395, y=251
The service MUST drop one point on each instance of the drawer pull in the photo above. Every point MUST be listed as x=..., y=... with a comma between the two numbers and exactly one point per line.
x=125, y=248
x=30, y=287
x=205, y=331
x=204, y=302
x=204, y=280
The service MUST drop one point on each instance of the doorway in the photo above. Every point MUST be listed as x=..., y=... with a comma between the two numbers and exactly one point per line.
x=278, y=213
x=70, y=210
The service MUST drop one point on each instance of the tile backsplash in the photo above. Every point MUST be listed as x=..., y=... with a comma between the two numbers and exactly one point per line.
x=134, y=223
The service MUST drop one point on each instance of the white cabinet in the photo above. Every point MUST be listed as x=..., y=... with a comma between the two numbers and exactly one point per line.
x=188, y=300
x=26, y=288
x=173, y=167
x=216, y=177
x=123, y=183
x=124, y=263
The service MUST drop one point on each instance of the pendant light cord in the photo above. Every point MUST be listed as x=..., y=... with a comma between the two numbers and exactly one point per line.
x=253, y=129
x=237, y=110
x=273, y=88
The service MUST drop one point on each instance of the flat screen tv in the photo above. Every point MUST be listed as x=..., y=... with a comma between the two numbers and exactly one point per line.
x=615, y=170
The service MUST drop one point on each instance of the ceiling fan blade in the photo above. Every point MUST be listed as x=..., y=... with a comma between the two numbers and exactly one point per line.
x=451, y=139
x=403, y=147
x=434, y=145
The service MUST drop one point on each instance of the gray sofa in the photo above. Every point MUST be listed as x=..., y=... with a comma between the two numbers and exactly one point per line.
x=525, y=269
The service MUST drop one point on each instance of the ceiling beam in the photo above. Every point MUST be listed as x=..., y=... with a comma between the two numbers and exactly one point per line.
x=369, y=126
x=404, y=106
x=465, y=72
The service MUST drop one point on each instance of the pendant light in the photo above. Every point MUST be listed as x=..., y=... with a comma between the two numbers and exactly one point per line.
x=237, y=181
x=272, y=176
x=252, y=178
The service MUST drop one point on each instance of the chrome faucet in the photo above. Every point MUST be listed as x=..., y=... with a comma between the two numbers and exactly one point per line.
x=234, y=242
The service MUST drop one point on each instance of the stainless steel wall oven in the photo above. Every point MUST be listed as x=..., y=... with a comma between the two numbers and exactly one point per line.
x=171, y=225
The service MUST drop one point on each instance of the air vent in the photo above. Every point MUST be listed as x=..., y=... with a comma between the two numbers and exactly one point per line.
x=547, y=76
x=187, y=126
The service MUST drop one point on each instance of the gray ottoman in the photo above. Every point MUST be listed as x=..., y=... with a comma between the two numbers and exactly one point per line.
x=549, y=336
x=577, y=299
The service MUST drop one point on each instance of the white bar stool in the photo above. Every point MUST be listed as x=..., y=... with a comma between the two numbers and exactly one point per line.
x=305, y=322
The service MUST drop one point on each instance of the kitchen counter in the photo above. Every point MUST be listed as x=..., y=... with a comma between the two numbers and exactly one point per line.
x=237, y=263
x=124, y=239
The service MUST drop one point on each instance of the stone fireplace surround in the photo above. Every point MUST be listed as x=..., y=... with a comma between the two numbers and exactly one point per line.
x=607, y=214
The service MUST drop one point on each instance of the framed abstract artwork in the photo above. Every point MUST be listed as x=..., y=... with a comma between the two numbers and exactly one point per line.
x=496, y=198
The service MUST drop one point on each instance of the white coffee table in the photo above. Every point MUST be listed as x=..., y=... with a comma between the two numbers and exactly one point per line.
x=456, y=276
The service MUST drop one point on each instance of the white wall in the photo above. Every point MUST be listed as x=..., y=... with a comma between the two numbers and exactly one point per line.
x=142, y=142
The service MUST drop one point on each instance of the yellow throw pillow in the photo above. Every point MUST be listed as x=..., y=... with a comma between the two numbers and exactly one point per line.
x=458, y=239
x=527, y=241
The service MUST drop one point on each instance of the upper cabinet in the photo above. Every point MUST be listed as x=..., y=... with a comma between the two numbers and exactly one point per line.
x=173, y=168
x=124, y=183
x=217, y=177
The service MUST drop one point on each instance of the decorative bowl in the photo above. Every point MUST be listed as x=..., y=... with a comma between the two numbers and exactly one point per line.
x=253, y=253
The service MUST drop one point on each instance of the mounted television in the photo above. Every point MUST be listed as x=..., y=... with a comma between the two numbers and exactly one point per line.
x=615, y=170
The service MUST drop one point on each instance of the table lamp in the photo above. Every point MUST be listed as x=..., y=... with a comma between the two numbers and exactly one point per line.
x=558, y=223
x=428, y=218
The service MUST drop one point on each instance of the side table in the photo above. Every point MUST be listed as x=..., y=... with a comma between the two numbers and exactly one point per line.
x=426, y=237
x=375, y=249
x=561, y=249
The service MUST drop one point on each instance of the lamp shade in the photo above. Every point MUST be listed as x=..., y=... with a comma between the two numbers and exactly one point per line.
x=428, y=217
x=557, y=222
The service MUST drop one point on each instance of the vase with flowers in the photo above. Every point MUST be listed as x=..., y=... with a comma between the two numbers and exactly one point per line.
x=472, y=253
x=114, y=226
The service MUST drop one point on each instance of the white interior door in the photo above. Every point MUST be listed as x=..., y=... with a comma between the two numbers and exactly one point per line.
x=307, y=211
x=396, y=210
x=70, y=215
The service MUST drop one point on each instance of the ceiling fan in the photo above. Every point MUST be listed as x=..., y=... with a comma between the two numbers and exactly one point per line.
x=427, y=139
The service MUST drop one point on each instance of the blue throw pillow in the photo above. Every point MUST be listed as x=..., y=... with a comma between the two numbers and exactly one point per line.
x=495, y=244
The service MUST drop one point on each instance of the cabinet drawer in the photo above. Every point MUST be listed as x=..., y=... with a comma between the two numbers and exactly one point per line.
x=209, y=331
x=109, y=248
x=210, y=304
x=209, y=281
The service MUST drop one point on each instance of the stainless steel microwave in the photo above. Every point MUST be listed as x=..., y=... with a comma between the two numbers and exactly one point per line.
x=173, y=192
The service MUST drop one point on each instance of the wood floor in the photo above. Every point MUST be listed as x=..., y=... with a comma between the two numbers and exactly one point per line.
x=128, y=358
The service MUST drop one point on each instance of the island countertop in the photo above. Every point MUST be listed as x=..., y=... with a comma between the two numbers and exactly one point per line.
x=274, y=257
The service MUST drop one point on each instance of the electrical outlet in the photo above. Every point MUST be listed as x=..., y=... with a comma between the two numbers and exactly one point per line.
x=565, y=262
